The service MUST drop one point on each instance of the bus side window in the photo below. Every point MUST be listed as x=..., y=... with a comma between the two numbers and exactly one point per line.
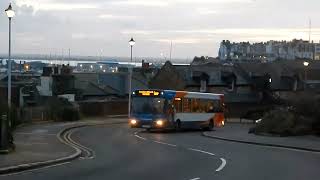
x=178, y=105
x=198, y=105
x=195, y=105
x=210, y=107
x=186, y=105
x=203, y=105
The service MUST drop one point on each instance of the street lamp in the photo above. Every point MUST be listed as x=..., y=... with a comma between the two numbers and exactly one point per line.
x=10, y=13
x=5, y=131
x=306, y=64
x=131, y=43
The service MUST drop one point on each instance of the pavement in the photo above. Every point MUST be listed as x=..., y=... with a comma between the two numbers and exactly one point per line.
x=119, y=152
x=238, y=132
x=39, y=144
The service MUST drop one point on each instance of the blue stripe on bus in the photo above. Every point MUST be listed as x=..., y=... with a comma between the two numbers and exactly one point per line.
x=169, y=94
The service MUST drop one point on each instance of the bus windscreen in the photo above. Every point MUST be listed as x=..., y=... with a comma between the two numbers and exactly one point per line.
x=147, y=105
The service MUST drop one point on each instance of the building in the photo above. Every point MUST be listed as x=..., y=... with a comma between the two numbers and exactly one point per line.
x=268, y=51
x=317, y=51
x=246, y=85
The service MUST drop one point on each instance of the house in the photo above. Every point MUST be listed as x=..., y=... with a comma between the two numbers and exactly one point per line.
x=22, y=88
x=212, y=77
x=169, y=77
x=111, y=84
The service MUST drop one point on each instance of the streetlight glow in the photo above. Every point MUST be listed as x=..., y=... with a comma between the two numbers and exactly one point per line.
x=10, y=12
x=132, y=42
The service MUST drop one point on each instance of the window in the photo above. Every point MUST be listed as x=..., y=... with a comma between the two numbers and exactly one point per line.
x=203, y=87
x=186, y=105
x=178, y=105
x=148, y=105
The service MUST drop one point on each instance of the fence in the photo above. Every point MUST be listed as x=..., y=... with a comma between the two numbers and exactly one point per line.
x=33, y=114
x=104, y=108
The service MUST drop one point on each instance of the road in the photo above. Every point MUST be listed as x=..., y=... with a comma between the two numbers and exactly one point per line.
x=119, y=152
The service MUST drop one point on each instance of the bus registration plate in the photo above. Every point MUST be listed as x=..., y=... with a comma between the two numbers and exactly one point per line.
x=146, y=126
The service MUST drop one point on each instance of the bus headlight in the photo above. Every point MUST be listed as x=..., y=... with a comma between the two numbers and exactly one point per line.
x=133, y=121
x=159, y=122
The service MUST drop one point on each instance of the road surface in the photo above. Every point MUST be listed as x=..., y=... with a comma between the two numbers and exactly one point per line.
x=118, y=152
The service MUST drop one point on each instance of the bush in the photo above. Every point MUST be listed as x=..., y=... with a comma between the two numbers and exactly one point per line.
x=280, y=122
x=61, y=110
x=306, y=106
x=301, y=117
x=69, y=114
x=15, y=121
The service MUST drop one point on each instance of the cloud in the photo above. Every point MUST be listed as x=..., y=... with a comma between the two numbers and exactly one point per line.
x=180, y=40
x=195, y=36
x=206, y=11
x=151, y=3
x=164, y=3
x=139, y=32
x=214, y=1
x=78, y=36
x=116, y=17
x=49, y=5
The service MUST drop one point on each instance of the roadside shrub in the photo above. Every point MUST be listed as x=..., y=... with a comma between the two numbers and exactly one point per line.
x=70, y=114
x=15, y=121
x=306, y=106
x=300, y=118
x=280, y=122
x=61, y=110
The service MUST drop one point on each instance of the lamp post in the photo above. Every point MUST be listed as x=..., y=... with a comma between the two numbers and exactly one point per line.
x=306, y=64
x=10, y=13
x=131, y=43
x=5, y=120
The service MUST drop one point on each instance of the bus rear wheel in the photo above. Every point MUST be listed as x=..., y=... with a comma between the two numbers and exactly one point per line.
x=210, y=126
x=178, y=125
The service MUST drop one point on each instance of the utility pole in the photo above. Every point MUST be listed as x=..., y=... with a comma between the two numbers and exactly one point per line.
x=309, y=30
x=170, y=50
x=62, y=56
x=69, y=57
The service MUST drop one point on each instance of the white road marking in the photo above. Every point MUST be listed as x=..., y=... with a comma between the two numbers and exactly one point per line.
x=35, y=133
x=31, y=144
x=36, y=169
x=223, y=164
x=195, y=178
x=140, y=137
x=205, y=152
x=83, y=148
x=159, y=142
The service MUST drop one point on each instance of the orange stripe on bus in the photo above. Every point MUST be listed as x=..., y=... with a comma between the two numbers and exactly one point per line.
x=181, y=94
x=219, y=119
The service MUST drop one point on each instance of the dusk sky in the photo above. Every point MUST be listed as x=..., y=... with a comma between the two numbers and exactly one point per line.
x=195, y=27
